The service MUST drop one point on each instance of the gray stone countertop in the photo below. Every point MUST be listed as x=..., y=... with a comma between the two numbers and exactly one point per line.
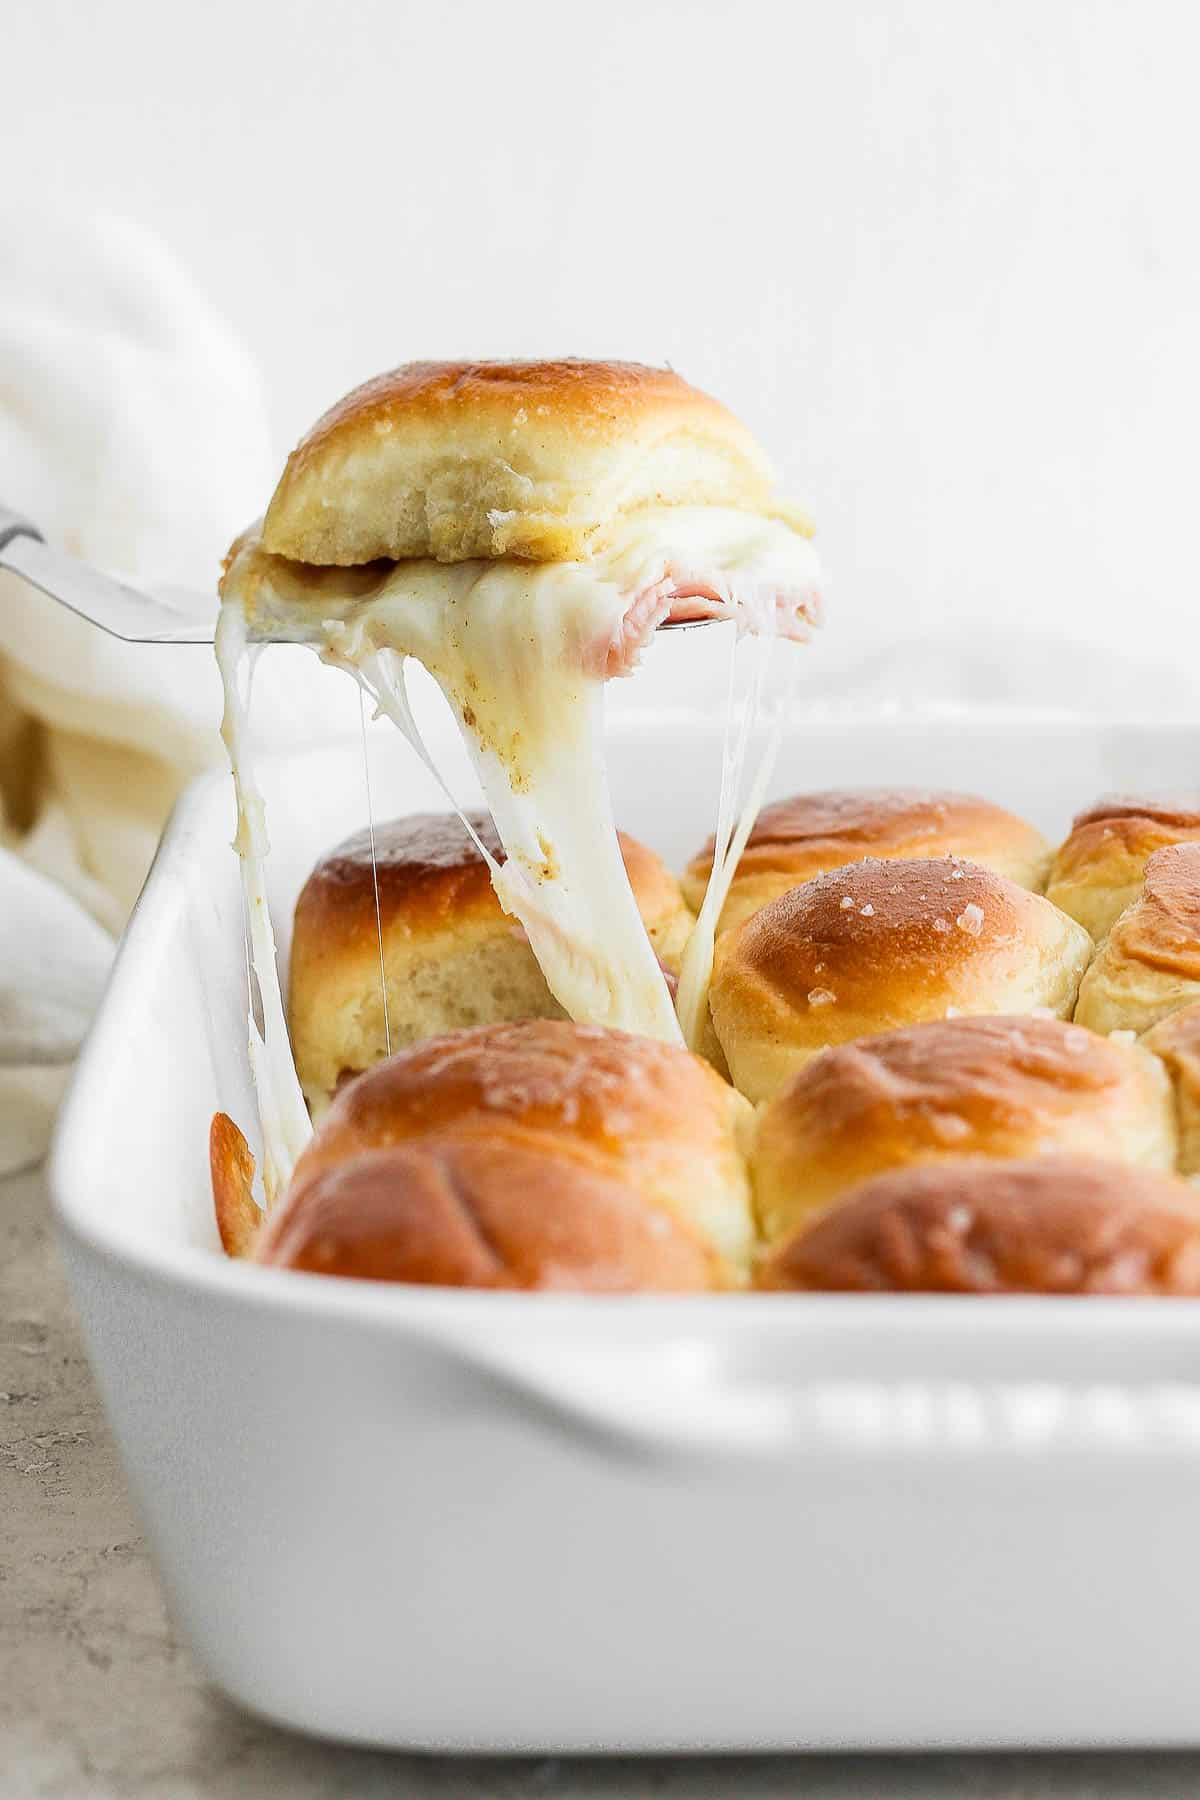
x=98, y=1698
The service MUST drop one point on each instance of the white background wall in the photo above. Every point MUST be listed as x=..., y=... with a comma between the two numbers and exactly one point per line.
x=944, y=255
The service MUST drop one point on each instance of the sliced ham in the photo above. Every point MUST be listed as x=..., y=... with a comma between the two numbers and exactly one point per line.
x=684, y=597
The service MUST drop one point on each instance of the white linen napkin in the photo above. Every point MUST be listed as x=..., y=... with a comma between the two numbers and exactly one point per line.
x=133, y=431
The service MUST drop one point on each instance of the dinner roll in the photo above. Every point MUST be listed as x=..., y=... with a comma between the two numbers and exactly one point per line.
x=1176, y=1039
x=1001, y=1087
x=454, y=460
x=634, y=1110
x=876, y=945
x=1149, y=964
x=1051, y=1225
x=461, y=1211
x=452, y=957
x=1100, y=868
x=231, y=1166
x=800, y=837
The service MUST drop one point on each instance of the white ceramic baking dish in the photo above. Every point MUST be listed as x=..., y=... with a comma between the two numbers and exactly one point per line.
x=472, y=1521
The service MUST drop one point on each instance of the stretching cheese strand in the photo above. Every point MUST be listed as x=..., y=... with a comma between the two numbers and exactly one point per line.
x=696, y=966
x=286, y=1128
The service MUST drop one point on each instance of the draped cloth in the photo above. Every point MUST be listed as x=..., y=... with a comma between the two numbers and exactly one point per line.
x=133, y=431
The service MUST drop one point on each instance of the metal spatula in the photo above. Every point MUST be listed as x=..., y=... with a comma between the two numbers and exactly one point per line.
x=168, y=615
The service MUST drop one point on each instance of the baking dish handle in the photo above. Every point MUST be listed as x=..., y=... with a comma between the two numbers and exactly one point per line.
x=684, y=1399
x=665, y=1400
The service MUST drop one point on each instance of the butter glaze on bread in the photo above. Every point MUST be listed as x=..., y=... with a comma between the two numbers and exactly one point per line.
x=803, y=836
x=454, y=460
x=1056, y=1225
x=994, y=1087
x=1149, y=964
x=878, y=945
x=1100, y=868
x=468, y=1212
x=640, y=1112
x=452, y=956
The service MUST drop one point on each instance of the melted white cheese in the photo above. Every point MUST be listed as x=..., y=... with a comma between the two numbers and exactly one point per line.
x=285, y=1123
x=734, y=826
x=507, y=646
x=521, y=652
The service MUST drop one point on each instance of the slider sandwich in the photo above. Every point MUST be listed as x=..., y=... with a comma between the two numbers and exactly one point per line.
x=521, y=529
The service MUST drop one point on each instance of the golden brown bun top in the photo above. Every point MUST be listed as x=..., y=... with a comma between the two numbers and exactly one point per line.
x=431, y=874
x=807, y=831
x=593, y=1090
x=599, y=400
x=1162, y=929
x=1117, y=828
x=991, y=1086
x=532, y=459
x=954, y=1083
x=468, y=1212
x=650, y=1114
x=1112, y=808
x=852, y=929
x=1053, y=1225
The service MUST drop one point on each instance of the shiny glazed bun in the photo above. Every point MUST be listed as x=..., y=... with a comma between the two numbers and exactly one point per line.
x=231, y=1167
x=647, y=1115
x=1055, y=1225
x=1176, y=1039
x=798, y=838
x=1149, y=964
x=880, y=944
x=1100, y=868
x=452, y=957
x=454, y=460
x=995, y=1087
x=462, y=1211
